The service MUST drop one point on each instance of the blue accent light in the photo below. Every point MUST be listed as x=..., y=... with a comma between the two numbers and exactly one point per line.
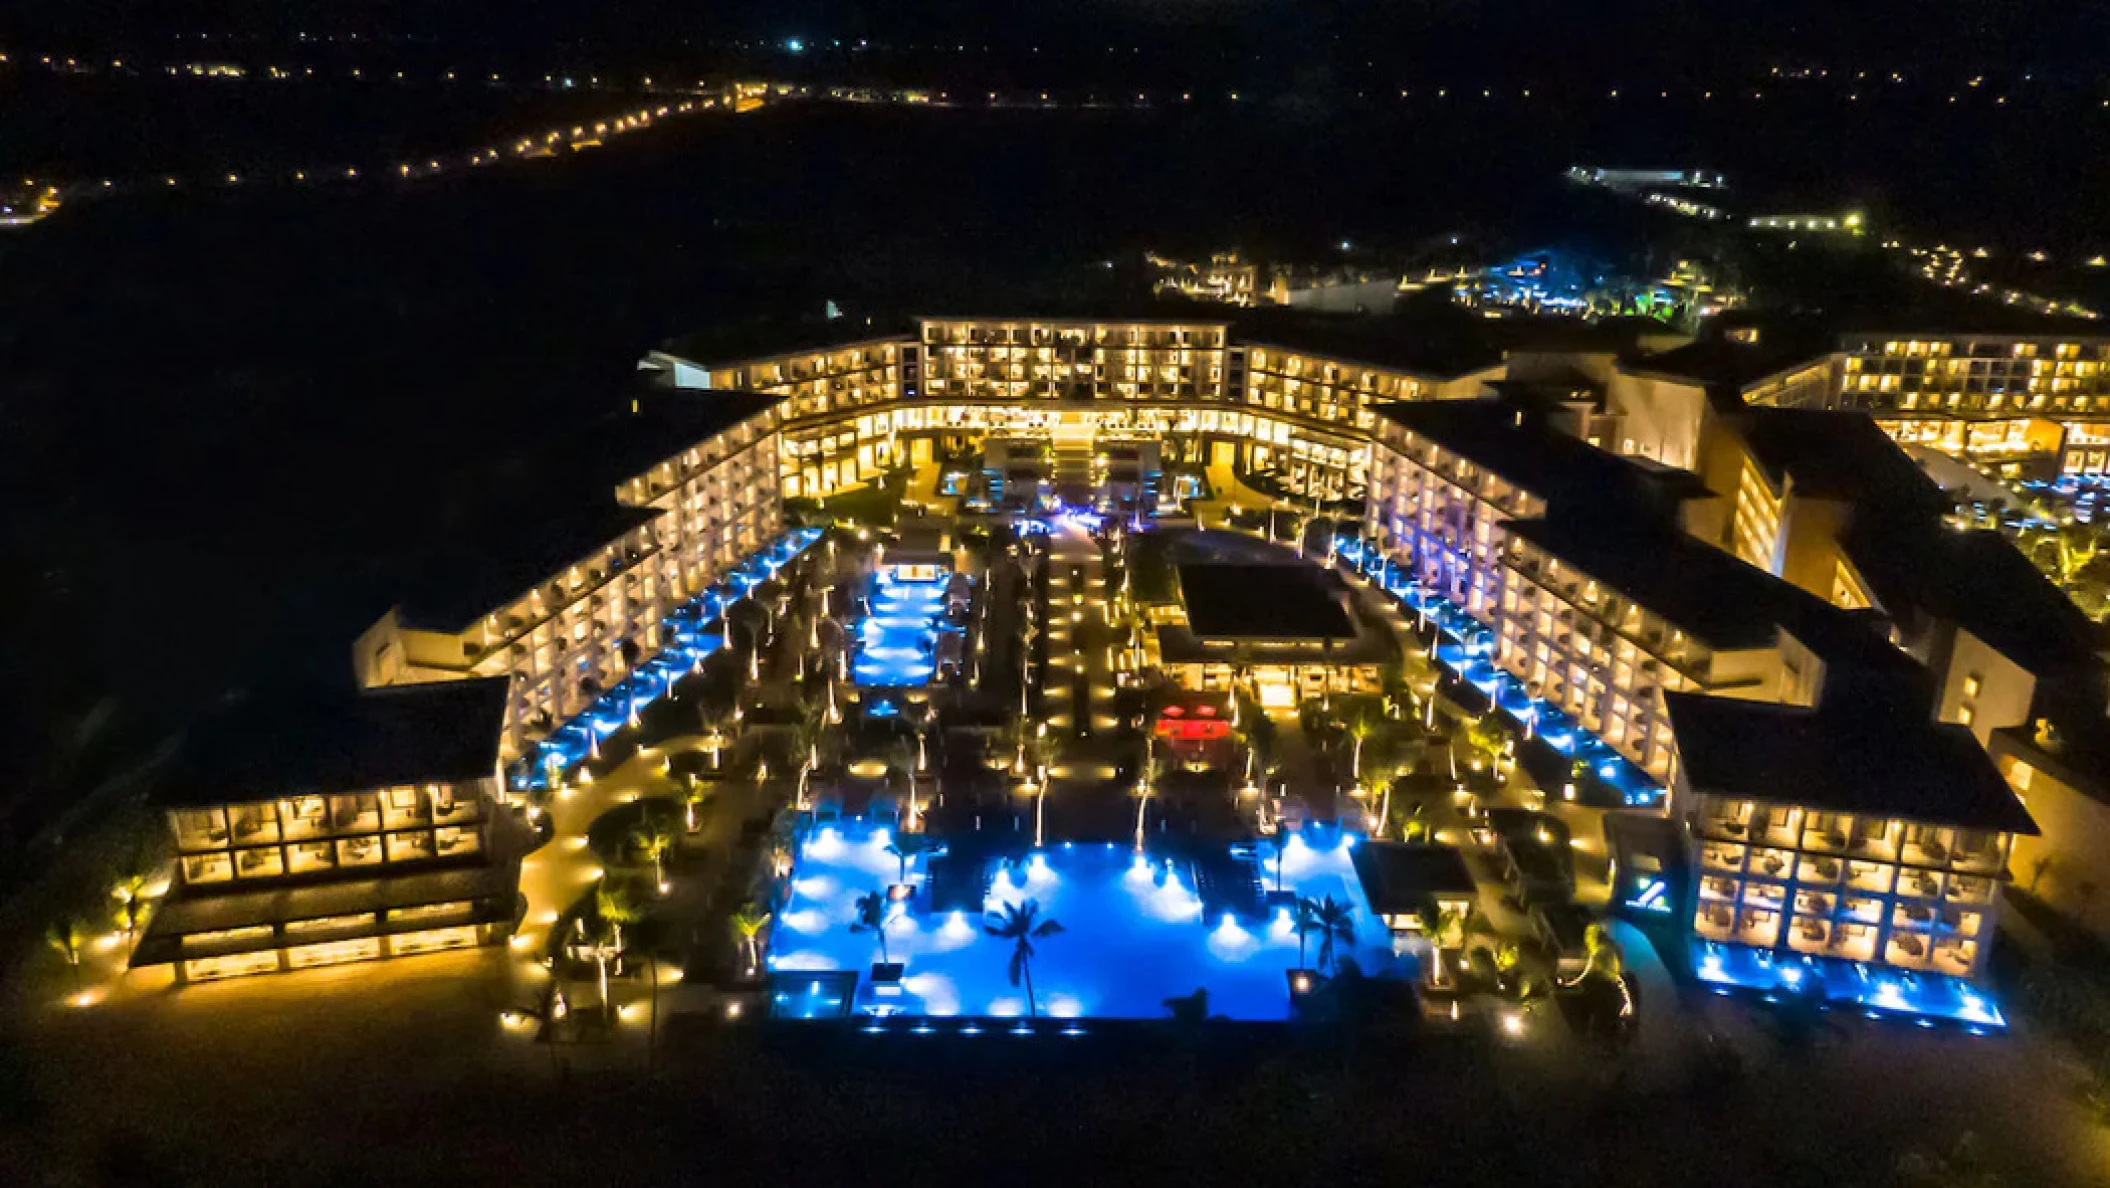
x=1925, y=998
x=1652, y=896
x=1465, y=648
x=692, y=639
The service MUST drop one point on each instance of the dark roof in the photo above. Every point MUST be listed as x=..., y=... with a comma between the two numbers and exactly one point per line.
x=1725, y=363
x=292, y=741
x=502, y=561
x=1518, y=445
x=1981, y=582
x=657, y=426
x=1851, y=758
x=762, y=338
x=1168, y=309
x=1839, y=455
x=1398, y=879
x=542, y=508
x=1702, y=590
x=1231, y=601
x=1439, y=347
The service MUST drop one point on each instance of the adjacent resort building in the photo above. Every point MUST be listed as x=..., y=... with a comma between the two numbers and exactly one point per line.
x=1707, y=571
x=315, y=831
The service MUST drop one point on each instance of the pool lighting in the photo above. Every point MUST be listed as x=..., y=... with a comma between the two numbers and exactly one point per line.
x=1512, y=1024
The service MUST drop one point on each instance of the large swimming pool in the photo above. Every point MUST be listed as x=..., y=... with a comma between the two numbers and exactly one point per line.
x=1134, y=932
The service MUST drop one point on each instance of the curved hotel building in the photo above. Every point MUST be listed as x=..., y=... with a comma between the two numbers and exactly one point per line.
x=1686, y=558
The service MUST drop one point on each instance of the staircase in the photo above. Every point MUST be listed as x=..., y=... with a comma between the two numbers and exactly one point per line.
x=1074, y=442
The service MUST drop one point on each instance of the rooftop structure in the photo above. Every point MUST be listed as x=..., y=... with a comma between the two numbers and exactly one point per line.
x=1263, y=602
x=1858, y=830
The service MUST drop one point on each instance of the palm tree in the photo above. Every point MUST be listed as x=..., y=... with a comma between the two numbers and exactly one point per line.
x=1361, y=728
x=900, y=759
x=1483, y=736
x=1279, y=841
x=651, y=839
x=1156, y=768
x=1332, y=919
x=749, y=919
x=615, y=904
x=130, y=891
x=65, y=936
x=872, y=917
x=694, y=795
x=1021, y=923
x=1418, y=827
x=717, y=734
x=905, y=848
x=1377, y=786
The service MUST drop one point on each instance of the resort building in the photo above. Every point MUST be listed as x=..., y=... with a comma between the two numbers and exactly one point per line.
x=1707, y=555
x=1445, y=477
x=319, y=830
x=567, y=601
x=2035, y=405
x=1858, y=829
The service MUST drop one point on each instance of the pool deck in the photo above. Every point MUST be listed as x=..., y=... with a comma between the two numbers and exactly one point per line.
x=1133, y=934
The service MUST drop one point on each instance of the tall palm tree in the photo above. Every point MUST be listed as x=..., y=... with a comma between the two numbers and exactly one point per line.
x=900, y=759
x=717, y=733
x=1021, y=924
x=1484, y=735
x=905, y=848
x=872, y=917
x=615, y=904
x=651, y=839
x=618, y=902
x=1377, y=787
x=1361, y=729
x=1332, y=919
x=694, y=795
x=749, y=919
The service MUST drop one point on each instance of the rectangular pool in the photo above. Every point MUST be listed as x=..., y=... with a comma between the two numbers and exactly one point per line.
x=1133, y=932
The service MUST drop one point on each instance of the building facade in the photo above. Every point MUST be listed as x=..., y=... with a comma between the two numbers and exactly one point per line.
x=584, y=601
x=309, y=835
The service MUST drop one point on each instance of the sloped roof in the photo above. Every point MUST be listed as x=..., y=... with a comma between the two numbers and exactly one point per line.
x=1850, y=758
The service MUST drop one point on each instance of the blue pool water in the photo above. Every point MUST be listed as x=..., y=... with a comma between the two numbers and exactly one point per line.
x=895, y=641
x=1877, y=991
x=1131, y=939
